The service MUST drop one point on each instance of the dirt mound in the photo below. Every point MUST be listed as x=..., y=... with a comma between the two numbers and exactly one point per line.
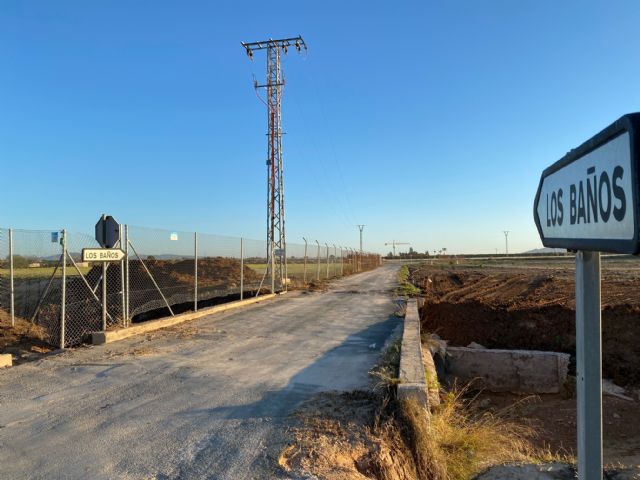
x=25, y=341
x=516, y=307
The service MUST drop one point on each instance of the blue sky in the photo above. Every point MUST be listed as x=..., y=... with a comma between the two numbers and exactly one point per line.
x=428, y=121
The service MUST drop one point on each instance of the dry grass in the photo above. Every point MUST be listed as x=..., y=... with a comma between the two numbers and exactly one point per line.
x=455, y=444
x=362, y=435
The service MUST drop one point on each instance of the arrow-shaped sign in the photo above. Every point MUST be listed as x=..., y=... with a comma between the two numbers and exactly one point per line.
x=102, y=255
x=588, y=200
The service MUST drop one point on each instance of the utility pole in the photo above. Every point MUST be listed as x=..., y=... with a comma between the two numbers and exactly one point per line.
x=276, y=241
x=394, y=243
x=506, y=241
x=361, y=227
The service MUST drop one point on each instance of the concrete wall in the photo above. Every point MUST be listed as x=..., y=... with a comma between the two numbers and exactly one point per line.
x=412, y=381
x=517, y=371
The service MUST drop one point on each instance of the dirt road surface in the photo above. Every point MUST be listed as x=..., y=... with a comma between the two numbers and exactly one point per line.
x=207, y=399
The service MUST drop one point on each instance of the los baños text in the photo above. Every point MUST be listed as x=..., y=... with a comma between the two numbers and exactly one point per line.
x=597, y=198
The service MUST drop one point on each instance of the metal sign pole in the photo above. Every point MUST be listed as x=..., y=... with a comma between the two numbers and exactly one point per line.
x=63, y=300
x=11, y=275
x=589, y=365
x=241, y=268
x=195, y=271
x=104, y=296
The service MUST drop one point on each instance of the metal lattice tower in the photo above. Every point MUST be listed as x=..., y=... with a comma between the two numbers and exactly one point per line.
x=276, y=239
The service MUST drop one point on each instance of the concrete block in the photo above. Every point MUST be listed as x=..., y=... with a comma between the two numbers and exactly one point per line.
x=517, y=371
x=414, y=391
x=413, y=383
x=6, y=360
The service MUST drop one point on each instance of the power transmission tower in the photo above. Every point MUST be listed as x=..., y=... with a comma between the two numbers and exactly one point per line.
x=394, y=243
x=506, y=241
x=276, y=241
x=361, y=227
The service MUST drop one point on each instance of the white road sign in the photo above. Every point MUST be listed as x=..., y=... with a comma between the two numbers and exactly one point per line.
x=102, y=255
x=587, y=200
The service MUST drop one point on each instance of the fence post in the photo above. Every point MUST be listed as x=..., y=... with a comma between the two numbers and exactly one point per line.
x=11, y=274
x=341, y=262
x=304, y=275
x=63, y=289
x=195, y=269
x=318, y=262
x=335, y=259
x=241, y=268
x=126, y=277
x=327, y=247
x=122, y=287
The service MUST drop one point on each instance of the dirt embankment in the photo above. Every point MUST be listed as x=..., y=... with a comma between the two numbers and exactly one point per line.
x=533, y=308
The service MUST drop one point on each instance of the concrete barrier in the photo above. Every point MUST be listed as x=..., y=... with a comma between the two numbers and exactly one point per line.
x=6, y=360
x=412, y=381
x=516, y=371
x=99, y=338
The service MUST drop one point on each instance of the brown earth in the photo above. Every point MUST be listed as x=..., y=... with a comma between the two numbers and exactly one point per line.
x=347, y=436
x=553, y=418
x=24, y=341
x=532, y=306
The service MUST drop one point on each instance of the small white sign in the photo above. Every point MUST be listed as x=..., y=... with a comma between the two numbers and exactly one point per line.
x=173, y=236
x=102, y=255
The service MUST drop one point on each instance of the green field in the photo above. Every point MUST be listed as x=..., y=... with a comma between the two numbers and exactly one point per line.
x=44, y=272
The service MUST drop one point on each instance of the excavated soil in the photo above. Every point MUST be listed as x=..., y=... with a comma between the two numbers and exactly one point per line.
x=532, y=306
x=24, y=341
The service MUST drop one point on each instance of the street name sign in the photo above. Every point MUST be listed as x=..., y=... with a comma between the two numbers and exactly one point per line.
x=102, y=255
x=588, y=200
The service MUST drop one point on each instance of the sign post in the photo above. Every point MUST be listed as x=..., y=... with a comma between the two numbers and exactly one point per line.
x=107, y=235
x=587, y=201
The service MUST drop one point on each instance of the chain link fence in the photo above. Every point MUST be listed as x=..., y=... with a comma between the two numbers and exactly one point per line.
x=44, y=281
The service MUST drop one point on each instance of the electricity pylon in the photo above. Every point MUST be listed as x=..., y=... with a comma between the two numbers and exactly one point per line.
x=276, y=241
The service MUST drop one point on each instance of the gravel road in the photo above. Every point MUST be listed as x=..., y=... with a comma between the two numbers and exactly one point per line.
x=210, y=398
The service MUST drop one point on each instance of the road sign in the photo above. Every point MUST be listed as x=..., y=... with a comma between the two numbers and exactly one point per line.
x=589, y=199
x=107, y=231
x=102, y=255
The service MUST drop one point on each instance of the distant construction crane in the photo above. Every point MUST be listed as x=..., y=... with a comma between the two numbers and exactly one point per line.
x=276, y=241
x=394, y=243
